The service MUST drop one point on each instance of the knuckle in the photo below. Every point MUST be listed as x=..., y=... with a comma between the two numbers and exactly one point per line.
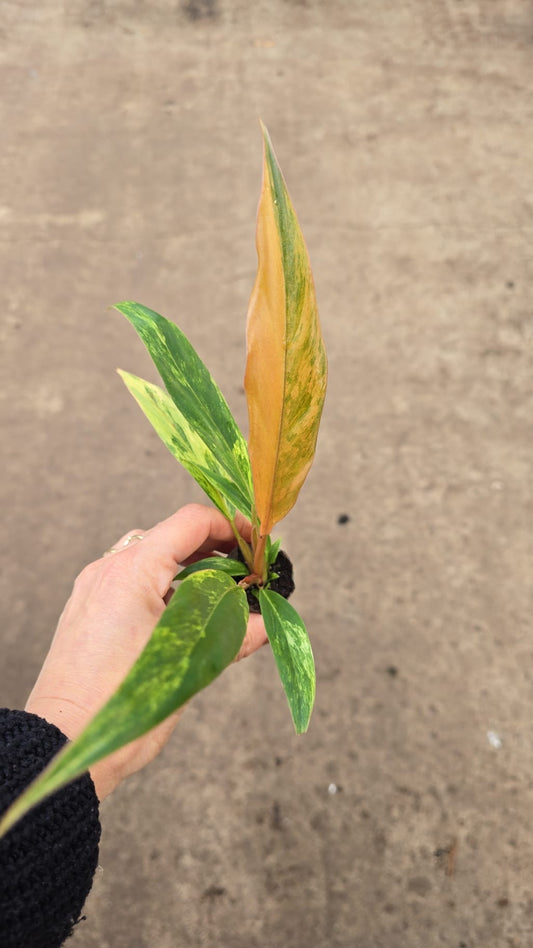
x=88, y=575
x=194, y=510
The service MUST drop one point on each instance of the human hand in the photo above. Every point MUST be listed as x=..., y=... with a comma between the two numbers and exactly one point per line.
x=115, y=604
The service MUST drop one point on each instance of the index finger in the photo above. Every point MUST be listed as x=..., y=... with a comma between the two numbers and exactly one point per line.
x=192, y=529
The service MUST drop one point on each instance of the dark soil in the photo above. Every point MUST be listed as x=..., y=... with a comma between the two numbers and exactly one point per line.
x=284, y=584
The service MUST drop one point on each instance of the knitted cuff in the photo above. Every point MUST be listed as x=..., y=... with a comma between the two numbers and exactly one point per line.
x=48, y=859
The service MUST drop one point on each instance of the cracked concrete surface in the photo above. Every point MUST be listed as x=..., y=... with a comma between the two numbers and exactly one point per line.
x=130, y=169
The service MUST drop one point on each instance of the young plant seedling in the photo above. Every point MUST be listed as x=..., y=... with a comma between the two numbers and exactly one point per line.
x=204, y=624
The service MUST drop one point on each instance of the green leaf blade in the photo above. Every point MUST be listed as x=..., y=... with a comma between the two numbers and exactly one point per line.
x=198, y=635
x=196, y=396
x=185, y=445
x=273, y=548
x=222, y=563
x=293, y=654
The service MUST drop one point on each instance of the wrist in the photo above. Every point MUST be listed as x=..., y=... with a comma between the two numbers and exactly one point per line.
x=68, y=719
x=104, y=778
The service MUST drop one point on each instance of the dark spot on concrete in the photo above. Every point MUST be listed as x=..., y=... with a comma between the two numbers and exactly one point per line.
x=278, y=761
x=380, y=841
x=343, y=518
x=196, y=10
x=420, y=885
x=275, y=817
x=510, y=284
x=392, y=671
x=502, y=903
x=318, y=822
x=213, y=892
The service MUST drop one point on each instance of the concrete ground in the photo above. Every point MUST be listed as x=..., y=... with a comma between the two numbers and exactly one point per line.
x=130, y=169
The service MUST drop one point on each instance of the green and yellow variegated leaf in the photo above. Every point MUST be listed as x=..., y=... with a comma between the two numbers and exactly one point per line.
x=198, y=399
x=198, y=635
x=286, y=368
x=183, y=441
x=222, y=563
x=294, y=657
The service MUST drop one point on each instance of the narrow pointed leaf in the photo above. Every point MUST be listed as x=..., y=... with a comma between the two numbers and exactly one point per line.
x=196, y=395
x=292, y=650
x=198, y=635
x=286, y=368
x=185, y=444
x=272, y=551
x=222, y=563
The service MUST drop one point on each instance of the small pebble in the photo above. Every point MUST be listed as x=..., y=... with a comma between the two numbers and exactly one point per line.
x=494, y=739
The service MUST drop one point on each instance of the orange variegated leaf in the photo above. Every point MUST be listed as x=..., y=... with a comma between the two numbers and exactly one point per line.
x=286, y=368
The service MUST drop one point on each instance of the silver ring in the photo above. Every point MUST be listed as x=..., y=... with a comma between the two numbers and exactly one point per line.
x=129, y=539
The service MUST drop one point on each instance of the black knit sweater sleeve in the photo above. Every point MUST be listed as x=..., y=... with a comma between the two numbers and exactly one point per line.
x=48, y=859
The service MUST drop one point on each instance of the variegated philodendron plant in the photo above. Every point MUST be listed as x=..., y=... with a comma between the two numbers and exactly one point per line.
x=204, y=624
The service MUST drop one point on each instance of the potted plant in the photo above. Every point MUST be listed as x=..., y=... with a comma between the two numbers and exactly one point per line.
x=204, y=624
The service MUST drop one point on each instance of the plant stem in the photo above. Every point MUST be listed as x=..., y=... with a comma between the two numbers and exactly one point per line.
x=243, y=547
x=260, y=566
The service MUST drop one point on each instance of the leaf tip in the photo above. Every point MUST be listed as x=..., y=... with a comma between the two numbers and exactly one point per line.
x=267, y=143
x=301, y=729
x=302, y=720
x=13, y=814
x=124, y=306
x=269, y=153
